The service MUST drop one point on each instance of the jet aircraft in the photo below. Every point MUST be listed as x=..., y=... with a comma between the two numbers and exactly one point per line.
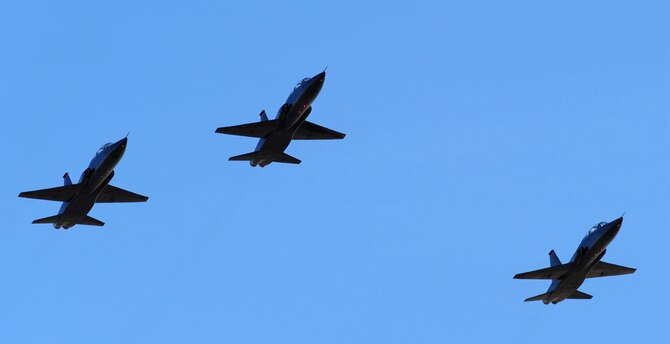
x=585, y=263
x=93, y=187
x=289, y=124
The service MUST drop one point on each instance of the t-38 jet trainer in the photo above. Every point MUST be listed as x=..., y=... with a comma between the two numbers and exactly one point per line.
x=585, y=263
x=289, y=124
x=93, y=187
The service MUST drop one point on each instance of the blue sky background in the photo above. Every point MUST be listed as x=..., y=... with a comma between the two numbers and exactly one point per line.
x=480, y=135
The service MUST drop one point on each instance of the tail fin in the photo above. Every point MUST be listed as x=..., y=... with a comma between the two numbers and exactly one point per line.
x=244, y=157
x=553, y=259
x=264, y=117
x=50, y=219
x=540, y=297
x=66, y=179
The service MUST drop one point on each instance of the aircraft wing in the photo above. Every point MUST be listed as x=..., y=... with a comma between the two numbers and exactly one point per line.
x=112, y=194
x=311, y=131
x=603, y=269
x=256, y=129
x=61, y=193
x=554, y=272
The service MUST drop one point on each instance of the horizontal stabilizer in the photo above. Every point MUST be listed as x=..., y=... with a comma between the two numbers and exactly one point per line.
x=579, y=295
x=61, y=193
x=537, y=298
x=50, y=219
x=603, y=269
x=287, y=159
x=85, y=221
x=244, y=157
x=552, y=273
x=256, y=129
x=90, y=221
x=112, y=194
x=311, y=131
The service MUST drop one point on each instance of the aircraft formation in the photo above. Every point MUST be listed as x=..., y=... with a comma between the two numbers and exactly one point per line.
x=274, y=136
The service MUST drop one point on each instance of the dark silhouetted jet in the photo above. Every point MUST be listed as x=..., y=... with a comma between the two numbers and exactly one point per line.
x=93, y=187
x=585, y=263
x=289, y=124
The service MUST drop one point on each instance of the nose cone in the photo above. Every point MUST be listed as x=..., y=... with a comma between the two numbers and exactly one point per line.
x=618, y=221
x=120, y=146
x=615, y=226
x=319, y=79
x=317, y=83
x=123, y=142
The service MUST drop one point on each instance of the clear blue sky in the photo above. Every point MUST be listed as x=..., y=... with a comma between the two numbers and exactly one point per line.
x=480, y=135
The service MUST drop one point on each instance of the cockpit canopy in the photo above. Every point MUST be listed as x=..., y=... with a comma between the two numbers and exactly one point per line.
x=597, y=226
x=103, y=147
x=300, y=83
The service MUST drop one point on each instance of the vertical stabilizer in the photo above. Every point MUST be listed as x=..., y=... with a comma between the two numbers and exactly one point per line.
x=66, y=179
x=553, y=259
x=264, y=118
